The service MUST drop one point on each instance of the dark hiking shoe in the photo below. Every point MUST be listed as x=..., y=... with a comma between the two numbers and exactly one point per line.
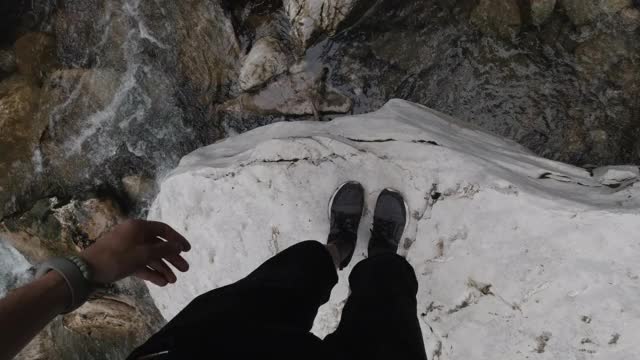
x=389, y=220
x=346, y=210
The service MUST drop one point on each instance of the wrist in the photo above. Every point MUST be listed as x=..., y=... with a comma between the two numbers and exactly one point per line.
x=76, y=276
x=90, y=258
x=60, y=293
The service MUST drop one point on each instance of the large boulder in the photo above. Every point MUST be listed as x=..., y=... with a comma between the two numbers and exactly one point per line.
x=630, y=19
x=310, y=19
x=7, y=61
x=514, y=254
x=53, y=227
x=498, y=17
x=529, y=90
x=79, y=106
x=582, y=12
x=207, y=48
x=137, y=88
x=94, y=33
x=36, y=55
x=266, y=60
x=599, y=54
x=301, y=93
x=108, y=123
x=541, y=10
x=20, y=132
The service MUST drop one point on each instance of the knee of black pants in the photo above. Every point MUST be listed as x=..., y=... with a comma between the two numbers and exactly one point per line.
x=385, y=274
x=306, y=266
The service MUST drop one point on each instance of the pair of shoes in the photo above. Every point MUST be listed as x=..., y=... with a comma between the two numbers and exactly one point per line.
x=389, y=221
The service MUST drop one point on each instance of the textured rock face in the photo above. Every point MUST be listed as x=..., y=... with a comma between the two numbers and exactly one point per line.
x=310, y=19
x=36, y=55
x=599, y=55
x=516, y=256
x=533, y=88
x=266, y=60
x=7, y=61
x=541, y=10
x=500, y=17
x=298, y=94
x=583, y=12
x=208, y=50
x=20, y=133
x=102, y=329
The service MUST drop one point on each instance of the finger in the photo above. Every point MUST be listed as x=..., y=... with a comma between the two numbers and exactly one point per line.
x=171, y=253
x=163, y=250
x=151, y=276
x=178, y=262
x=167, y=233
x=161, y=267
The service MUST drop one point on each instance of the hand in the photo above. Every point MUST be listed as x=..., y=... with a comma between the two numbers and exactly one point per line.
x=139, y=248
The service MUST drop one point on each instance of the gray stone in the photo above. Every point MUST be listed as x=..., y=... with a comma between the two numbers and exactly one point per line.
x=208, y=49
x=612, y=175
x=630, y=19
x=7, y=61
x=541, y=10
x=312, y=18
x=297, y=94
x=582, y=12
x=78, y=104
x=139, y=188
x=266, y=60
x=20, y=132
x=498, y=17
x=53, y=228
x=596, y=56
x=36, y=55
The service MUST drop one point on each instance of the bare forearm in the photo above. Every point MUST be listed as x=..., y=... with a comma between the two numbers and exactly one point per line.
x=27, y=310
x=135, y=247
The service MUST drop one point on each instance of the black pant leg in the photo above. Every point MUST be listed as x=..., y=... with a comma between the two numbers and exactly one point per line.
x=282, y=296
x=379, y=320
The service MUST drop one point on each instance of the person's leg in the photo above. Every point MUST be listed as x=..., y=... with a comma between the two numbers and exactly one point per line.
x=379, y=320
x=283, y=295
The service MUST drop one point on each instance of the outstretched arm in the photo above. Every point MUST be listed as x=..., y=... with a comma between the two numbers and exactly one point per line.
x=136, y=247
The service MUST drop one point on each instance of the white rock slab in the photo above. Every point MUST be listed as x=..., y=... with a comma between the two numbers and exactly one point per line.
x=517, y=257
